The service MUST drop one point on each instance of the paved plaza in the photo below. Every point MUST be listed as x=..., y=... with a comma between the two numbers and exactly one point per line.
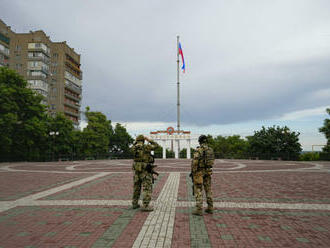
x=88, y=204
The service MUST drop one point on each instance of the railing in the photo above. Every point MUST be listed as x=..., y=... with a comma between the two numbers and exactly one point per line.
x=36, y=76
x=47, y=53
x=4, y=51
x=73, y=87
x=71, y=113
x=72, y=105
x=77, y=98
x=76, y=72
x=42, y=58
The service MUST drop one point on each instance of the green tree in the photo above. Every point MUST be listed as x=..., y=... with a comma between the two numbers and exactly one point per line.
x=78, y=145
x=229, y=147
x=96, y=136
x=326, y=131
x=275, y=142
x=120, y=141
x=158, y=151
x=183, y=152
x=23, y=128
x=61, y=140
x=170, y=153
x=309, y=156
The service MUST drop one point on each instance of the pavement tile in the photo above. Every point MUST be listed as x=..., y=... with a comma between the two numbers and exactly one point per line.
x=111, y=187
x=289, y=230
x=15, y=185
x=67, y=229
x=87, y=224
x=277, y=187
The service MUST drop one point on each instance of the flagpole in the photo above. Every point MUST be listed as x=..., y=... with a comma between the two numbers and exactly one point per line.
x=178, y=94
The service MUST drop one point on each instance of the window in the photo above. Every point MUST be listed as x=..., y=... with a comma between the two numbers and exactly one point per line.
x=5, y=38
x=4, y=49
x=36, y=73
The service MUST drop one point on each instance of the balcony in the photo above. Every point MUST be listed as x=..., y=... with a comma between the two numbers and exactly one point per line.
x=76, y=98
x=40, y=76
x=5, y=52
x=76, y=106
x=73, y=87
x=76, y=72
x=39, y=49
x=44, y=59
x=41, y=92
x=4, y=62
x=38, y=67
x=36, y=74
x=4, y=38
x=72, y=114
x=45, y=70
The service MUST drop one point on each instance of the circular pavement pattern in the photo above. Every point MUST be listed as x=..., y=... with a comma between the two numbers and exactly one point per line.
x=88, y=204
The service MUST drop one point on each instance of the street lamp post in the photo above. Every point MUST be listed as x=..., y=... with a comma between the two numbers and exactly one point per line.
x=54, y=134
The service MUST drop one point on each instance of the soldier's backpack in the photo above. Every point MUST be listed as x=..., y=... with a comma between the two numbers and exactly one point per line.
x=138, y=153
x=207, y=160
x=140, y=158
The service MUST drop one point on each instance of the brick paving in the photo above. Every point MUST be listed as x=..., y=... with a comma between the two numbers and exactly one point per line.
x=117, y=186
x=88, y=204
x=14, y=185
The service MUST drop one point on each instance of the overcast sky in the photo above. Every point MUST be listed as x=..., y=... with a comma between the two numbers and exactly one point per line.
x=248, y=63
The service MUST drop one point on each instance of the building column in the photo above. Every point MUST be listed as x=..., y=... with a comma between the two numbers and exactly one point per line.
x=176, y=150
x=188, y=149
x=164, y=149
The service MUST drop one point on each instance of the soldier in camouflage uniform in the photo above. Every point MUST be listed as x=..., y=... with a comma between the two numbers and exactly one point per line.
x=142, y=176
x=201, y=171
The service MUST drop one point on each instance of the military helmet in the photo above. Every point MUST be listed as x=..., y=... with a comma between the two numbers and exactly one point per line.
x=140, y=138
x=202, y=139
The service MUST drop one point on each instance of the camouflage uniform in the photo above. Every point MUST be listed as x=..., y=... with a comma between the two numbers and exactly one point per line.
x=202, y=177
x=142, y=178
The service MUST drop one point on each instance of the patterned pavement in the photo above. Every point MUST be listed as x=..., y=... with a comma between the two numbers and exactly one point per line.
x=88, y=204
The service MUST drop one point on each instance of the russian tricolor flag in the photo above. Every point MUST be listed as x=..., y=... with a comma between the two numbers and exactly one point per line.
x=183, y=64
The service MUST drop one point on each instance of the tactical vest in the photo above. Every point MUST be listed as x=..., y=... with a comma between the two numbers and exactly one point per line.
x=141, y=157
x=139, y=154
x=206, y=157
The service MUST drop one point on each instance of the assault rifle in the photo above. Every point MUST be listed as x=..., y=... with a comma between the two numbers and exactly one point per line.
x=192, y=179
x=150, y=168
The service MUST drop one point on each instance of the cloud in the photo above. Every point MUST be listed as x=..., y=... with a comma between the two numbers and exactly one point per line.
x=306, y=113
x=245, y=61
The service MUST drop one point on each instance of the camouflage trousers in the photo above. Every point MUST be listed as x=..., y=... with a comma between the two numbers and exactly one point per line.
x=142, y=180
x=202, y=179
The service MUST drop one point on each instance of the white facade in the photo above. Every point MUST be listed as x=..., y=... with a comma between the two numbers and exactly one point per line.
x=179, y=140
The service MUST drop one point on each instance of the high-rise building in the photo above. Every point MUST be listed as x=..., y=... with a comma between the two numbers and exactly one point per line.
x=66, y=86
x=51, y=68
x=30, y=57
x=5, y=33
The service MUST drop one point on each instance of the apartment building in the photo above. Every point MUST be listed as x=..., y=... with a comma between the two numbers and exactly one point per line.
x=5, y=33
x=30, y=57
x=51, y=68
x=66, y=86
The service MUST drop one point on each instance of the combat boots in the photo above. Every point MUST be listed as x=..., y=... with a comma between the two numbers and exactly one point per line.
x=197, y=211
x=147, y=209
x=135, y=206
x=209, y=210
